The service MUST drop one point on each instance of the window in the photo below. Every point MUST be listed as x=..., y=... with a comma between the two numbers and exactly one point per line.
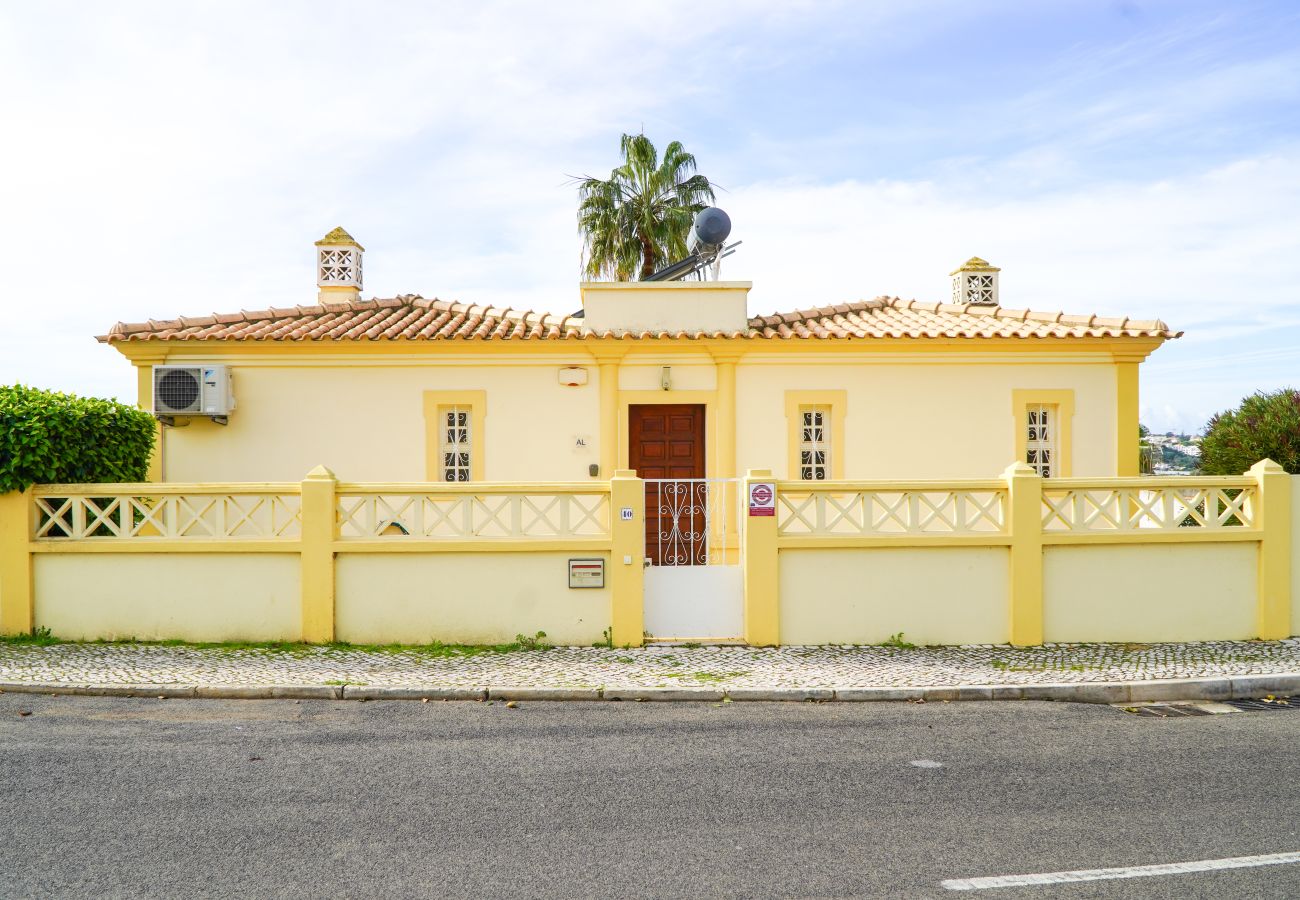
x=455, y=435
x=1043, y=423
x=456, y=445
x=814, y=443
x=814, y=427
x=1040, y=438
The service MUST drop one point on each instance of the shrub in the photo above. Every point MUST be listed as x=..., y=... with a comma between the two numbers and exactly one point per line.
x=47, y=437
x=1265, y=426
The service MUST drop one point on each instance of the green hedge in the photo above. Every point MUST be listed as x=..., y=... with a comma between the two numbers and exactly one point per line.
x=47, y=437
x=1265, y=426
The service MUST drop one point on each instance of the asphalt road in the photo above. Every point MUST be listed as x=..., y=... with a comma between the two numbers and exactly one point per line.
x=192, y=798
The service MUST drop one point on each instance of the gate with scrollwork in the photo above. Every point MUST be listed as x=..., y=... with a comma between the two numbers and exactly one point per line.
x=694, y=584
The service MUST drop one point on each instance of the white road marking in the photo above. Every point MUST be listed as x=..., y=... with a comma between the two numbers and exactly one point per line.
x=1184, y=868
x=927, y=764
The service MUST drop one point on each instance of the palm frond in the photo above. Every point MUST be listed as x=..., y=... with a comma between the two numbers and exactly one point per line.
x=637, y=220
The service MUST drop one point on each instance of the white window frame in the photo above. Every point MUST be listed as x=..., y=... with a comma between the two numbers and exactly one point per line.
x=814, y=423
x=456, y=443
x=1042, y=432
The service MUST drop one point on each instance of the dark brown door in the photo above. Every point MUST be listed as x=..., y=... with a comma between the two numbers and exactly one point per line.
x=666, y=442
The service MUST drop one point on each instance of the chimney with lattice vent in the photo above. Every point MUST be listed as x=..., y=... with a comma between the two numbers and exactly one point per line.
x=975, y=282
x=338, y=267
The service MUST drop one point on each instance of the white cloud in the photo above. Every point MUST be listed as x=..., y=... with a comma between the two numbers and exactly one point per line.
x=1212, y=254
x=167, y=158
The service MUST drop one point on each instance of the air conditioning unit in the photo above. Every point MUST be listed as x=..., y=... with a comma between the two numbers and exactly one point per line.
x=192, y=391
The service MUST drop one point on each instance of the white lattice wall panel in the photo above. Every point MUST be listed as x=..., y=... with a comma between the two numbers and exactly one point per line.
x=470, y=515
x=1128, y=509
x=194, y=516
x=890, y=512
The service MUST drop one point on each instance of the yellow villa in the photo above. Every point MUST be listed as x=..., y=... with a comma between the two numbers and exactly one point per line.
x=665, y=378
x=656, y=466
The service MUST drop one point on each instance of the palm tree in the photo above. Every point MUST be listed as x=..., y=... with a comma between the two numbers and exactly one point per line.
x=639, y=218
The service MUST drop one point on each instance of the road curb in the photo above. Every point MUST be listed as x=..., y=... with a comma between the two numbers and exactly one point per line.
x=365, y=692
x=663, y=694
x=1228, y=687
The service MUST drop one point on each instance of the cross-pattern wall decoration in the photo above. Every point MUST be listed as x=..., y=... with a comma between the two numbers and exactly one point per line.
x=470, y=514
x=338, y=267
x=215, y=516
x=1125, y=509
x=848, y=512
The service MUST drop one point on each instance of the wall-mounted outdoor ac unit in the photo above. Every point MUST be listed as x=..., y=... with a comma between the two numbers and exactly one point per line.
x=192, y=391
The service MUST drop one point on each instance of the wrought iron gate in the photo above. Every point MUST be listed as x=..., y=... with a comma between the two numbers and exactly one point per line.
x=694, y=581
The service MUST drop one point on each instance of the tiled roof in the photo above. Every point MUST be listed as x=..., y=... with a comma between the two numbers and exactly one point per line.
x=414, y=318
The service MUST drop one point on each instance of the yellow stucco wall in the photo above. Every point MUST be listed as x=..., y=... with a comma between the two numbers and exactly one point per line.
x=470, y=598
x=1295, y=555
x=665, y=305
x=1151, y=592
x=366, y=422
x=932, y=417
x=919, y=415
x=156, y=596
x=946, y=595
x=686, y=373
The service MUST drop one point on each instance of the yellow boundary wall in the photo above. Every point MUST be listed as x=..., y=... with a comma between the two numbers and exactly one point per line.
x=320, y=560
x=1024, y=560
x=1014, y=559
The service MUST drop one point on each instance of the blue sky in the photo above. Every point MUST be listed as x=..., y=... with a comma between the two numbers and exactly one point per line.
x=1138, y=158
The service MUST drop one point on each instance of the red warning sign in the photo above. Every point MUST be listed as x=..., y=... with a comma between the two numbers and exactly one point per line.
x=762, y=499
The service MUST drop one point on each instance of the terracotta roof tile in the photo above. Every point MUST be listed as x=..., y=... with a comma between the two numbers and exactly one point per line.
x=414, y=318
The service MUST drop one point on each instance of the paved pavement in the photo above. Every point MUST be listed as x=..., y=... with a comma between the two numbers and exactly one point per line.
x=113, y=797
x=731, y=668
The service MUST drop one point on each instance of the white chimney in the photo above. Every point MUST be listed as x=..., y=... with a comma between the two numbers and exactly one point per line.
x=975, y=283
x=338, y=267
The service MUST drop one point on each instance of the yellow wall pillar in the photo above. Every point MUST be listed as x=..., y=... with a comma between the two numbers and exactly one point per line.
x=1273, y=514
x=17, y=615
x=1025, y=579
x=1127, y=451
x=725, y=465
x=144, y=400
x=317, y=556
x=758, y=552
x=627, y=558
x=608, y=374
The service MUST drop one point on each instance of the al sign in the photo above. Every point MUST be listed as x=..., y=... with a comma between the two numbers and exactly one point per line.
x=762, y=499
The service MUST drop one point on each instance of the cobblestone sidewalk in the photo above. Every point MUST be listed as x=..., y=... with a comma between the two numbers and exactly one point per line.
x=661, y=666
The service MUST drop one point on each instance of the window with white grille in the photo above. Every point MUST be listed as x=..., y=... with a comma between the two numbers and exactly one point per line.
x=1040, y=438
x=814, y=443
x=456, y=442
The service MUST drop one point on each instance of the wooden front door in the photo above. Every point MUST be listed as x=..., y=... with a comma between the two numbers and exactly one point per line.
x=666, y=442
